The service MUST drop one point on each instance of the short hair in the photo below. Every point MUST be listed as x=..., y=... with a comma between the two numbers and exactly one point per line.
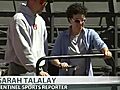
x=76, y=8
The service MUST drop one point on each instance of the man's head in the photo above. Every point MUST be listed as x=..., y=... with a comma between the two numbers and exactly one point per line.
x=76, y=16
x=36, y=5
x=75, y=9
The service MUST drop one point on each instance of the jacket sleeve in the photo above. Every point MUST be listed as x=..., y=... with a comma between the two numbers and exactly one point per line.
x=98, y=43
x=21, y=43
x=46, y=42
x=45, y=68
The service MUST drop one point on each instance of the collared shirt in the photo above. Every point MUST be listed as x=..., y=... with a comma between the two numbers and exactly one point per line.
x=90, y=38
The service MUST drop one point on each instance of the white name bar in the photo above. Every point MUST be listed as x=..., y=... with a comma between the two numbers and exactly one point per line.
x=59, y=80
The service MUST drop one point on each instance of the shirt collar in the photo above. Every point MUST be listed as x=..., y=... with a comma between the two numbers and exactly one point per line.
x=70, y=27
x=26, y=10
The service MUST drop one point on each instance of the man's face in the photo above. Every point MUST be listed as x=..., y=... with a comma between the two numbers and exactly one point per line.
x=78, y=21
x=40, y=4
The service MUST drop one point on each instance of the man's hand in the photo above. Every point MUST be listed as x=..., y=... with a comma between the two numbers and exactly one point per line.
x=43, y=73
x=63, y=65
x=107, y=54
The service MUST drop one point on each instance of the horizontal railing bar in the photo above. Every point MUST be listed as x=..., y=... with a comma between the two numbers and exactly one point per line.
x=66, y=57
x=74, y=56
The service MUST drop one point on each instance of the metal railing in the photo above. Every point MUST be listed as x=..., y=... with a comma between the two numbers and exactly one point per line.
x=111, y=62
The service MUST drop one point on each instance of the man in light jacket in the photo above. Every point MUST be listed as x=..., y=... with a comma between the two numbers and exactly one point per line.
x=26, y=39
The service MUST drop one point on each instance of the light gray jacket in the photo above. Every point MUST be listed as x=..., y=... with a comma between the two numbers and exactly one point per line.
x=26, y=39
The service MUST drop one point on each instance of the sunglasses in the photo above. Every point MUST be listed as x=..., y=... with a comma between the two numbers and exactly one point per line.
x=78, y=20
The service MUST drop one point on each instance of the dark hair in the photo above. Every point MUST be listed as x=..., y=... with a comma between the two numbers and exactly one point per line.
x=75, y=8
